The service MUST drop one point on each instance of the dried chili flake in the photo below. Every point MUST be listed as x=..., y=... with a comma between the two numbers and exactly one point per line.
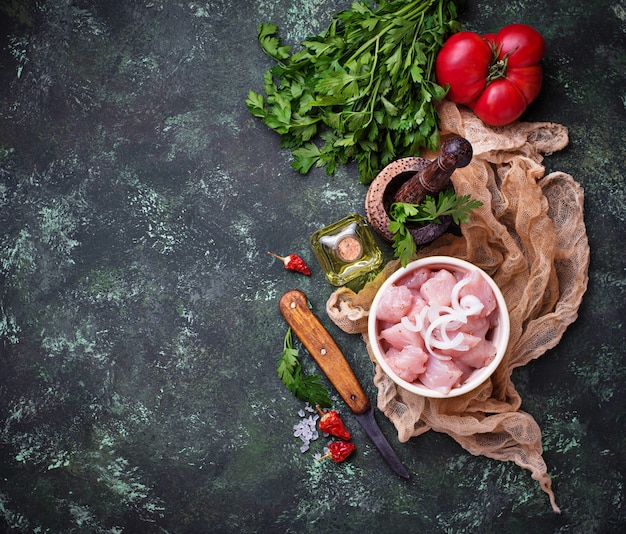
x=338, y=451
x=293, y=262
x=331, y=423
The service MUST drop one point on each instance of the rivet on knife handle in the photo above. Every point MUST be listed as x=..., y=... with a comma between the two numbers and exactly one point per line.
x=323, y=349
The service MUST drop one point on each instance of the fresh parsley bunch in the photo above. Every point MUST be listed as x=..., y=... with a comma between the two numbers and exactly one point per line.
x=429, y=211
x=307, y=388
x=364, y=90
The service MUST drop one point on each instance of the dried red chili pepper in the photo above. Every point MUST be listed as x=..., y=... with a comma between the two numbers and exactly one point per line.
x=293, y=262
x=338, y=451
x=331, y=423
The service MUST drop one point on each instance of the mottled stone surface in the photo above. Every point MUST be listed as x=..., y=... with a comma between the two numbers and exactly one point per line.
x=139, y=327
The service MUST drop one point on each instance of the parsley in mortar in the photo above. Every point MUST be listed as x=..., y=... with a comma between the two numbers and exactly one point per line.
x=431, y=210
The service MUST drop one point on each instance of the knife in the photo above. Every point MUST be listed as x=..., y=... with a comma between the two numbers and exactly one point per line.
x=322, y=347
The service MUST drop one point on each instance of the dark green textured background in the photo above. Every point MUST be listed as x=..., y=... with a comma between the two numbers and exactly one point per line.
x=139, y=327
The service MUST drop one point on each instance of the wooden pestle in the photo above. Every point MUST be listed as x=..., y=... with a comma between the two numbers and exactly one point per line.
x=456, y=153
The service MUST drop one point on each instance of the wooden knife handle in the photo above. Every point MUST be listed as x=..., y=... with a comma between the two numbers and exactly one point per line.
x=323, y=349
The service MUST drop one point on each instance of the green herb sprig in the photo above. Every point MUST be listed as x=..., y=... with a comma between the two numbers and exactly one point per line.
x=364, y=89
x=307, y=388
x=431, y=210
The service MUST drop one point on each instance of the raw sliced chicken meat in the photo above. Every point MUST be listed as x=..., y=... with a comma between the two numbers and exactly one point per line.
x=441, y=375
x=478, y=356
x=407, y=363
x=395, y=303
x=475, y=325
x=438, y=288
x=416, y=278
x=399, y=336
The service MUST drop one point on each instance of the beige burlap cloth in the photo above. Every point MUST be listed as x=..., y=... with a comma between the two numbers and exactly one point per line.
x=530, y=236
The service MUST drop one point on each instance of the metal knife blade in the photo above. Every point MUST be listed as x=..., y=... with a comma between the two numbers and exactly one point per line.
x=322, y=347
x=373, y=431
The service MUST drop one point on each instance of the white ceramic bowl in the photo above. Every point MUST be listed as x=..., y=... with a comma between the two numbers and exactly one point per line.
x=498, y=334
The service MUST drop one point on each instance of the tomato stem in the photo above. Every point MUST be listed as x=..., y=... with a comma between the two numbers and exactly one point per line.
x=498, y=67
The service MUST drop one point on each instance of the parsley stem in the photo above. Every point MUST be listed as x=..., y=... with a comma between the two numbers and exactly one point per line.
x=366, y=45
x=372, y=73
x=422, y=6
x=421, y=9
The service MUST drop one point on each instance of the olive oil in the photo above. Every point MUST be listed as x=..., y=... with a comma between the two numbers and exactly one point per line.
x=346, y=250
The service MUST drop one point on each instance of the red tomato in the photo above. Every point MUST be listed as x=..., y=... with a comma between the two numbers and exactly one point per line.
x=524, y=45
x=527, y=80
x=463, y=62
x=500, y=103
x=497, y=75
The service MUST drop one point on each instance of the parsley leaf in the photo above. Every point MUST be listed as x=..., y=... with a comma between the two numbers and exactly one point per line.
x=305, y=157
x=271, y=43
x=401, y=214
x=307, y=388
x=364, y=89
